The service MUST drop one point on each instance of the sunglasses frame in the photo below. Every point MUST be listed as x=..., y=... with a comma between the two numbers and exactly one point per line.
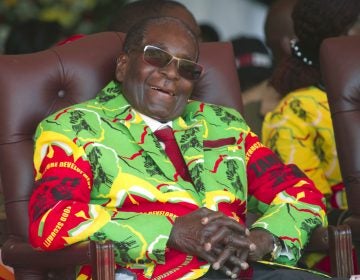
x=183, y=72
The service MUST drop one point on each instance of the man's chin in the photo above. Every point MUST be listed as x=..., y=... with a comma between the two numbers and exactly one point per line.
x=162, y=116
x=162, y=119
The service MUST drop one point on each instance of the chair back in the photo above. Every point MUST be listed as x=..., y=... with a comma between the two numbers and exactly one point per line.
x=38, y=84
x=340, y=68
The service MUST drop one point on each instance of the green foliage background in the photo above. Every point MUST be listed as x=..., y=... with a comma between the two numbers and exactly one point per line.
x=76, y=16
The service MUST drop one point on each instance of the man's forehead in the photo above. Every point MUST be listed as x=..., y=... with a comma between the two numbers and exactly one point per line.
x=170, y=33
x=167, y=24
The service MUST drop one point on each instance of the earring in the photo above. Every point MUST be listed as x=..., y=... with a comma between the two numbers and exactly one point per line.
x=296, y=52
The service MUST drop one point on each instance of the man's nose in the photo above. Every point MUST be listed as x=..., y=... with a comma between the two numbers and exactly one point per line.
x=171, y=69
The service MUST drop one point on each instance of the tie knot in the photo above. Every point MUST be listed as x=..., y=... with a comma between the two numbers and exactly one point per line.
x=164, y=134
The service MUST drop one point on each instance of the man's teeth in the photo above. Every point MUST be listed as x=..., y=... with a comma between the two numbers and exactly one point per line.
x=159, y=89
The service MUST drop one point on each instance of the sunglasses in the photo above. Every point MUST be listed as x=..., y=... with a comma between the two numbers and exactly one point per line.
x=160, y=58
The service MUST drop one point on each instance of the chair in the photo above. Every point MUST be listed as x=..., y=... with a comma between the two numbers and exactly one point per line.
x=340, y=67
x=36, y=85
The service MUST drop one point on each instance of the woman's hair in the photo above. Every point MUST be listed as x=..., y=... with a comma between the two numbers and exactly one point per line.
x=314, y=21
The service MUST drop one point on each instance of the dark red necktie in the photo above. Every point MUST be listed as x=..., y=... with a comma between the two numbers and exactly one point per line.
x=166, y=136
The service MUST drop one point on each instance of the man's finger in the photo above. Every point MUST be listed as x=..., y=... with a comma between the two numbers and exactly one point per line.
x=238, y=259
x=223, y=256
x=216, y=237
x=212, y=222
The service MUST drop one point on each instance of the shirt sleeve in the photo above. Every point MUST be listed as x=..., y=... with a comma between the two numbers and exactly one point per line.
x=289, y=204
x=62, y=210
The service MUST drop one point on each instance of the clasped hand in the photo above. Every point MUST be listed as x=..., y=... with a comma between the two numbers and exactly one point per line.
x=218, y=239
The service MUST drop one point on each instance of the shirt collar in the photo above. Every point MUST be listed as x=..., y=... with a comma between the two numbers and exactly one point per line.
x=154, y=124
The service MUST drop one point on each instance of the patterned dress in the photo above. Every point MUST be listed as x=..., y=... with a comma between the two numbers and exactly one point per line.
x=300, y=131
x=102, y=174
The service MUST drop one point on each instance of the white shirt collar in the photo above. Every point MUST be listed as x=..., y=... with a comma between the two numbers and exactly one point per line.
x=154, y=124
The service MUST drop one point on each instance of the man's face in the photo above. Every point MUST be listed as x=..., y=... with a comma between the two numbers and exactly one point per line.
x=158, y=92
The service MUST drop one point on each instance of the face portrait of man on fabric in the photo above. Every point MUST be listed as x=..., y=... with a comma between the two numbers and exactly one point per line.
x=103, y=174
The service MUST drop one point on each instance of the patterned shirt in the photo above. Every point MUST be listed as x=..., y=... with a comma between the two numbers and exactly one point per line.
x=300, y=131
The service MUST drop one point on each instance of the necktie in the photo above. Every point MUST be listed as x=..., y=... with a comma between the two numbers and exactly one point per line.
x=166, y=136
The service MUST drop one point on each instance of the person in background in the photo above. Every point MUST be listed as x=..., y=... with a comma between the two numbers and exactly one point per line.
x=279, y=29
x=299, y=130
x=209, y=33
x=254, y=66
x=103, y=171
x=261, y=97
x=33, y=35
x=132, y=12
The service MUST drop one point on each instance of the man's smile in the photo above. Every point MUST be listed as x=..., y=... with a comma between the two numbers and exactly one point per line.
x=164, y=91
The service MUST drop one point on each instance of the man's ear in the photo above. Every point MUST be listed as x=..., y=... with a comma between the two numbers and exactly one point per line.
x=121, y=66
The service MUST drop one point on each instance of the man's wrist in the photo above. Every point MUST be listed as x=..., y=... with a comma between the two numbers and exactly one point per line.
x=275, y=245
x=277, y=248
x=264, y=241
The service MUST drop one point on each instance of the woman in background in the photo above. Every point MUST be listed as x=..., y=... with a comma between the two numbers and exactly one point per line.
x=299, y=129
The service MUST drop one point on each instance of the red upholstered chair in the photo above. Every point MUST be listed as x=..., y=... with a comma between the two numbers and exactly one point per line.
x=36, y=85
x=340, y=67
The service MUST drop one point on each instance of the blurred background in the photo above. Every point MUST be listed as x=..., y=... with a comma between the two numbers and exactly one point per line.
x=229, y=18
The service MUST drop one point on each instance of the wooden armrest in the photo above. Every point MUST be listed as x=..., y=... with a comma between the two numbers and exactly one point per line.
x=16, y=252
x=103, y=260
x=337, y=242
x=99, y=254
x=353, y=221
x=341, y=250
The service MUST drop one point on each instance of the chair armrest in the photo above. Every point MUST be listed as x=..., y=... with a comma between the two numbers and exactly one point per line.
x=337, y=242
x=353, y=220
x=341, y=250
x=103, y=260
x=19, y=254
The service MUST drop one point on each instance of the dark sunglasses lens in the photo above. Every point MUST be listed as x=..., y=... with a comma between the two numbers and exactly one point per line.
x=156, y=57
x=159, y=58
x=190, y=70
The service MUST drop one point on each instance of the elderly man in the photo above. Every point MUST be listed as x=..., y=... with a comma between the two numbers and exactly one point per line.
x=108, y=169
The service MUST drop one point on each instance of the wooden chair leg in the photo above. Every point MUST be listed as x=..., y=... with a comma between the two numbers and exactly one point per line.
x=340, y=250
x=103, y=260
